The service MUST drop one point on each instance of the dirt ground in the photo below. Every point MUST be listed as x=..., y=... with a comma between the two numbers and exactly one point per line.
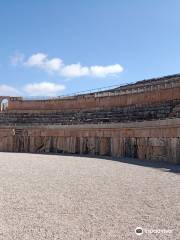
x=71, y=197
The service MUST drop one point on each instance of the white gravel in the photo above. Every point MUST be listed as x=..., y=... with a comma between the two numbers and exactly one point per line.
x=71, y=197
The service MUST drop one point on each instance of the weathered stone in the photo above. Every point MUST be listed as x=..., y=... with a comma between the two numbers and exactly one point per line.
x=114, y=123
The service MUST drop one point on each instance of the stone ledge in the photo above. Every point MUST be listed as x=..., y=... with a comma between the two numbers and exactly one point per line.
x=170, y=122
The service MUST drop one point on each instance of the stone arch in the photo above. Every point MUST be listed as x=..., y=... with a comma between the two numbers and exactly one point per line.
x=4, y=103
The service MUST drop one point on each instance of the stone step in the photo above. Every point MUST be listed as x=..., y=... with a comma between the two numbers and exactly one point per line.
x=133, y=113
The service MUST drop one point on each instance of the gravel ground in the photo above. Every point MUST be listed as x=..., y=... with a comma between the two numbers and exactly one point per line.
x=71, y=197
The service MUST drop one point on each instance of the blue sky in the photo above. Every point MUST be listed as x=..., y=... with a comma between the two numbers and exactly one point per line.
x=63, y=46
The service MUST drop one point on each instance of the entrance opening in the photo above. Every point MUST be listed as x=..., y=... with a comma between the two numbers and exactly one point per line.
x=4, y=104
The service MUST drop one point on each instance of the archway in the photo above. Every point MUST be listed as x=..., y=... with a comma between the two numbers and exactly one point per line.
x=4, y=104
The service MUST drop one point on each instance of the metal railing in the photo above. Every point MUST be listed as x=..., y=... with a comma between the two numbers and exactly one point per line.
x=75, y=94
x=150, y=85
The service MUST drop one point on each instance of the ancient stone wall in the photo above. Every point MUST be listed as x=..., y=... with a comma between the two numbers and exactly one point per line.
x=142, y=92
x=91, y=101
x=71, y=117
x=104, y=123
x=151, y=140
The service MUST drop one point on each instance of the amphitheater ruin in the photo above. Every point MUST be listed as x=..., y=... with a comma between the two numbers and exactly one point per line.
x=139, y=120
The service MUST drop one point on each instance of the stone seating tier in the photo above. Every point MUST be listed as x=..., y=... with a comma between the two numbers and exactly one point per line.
x=114, y=115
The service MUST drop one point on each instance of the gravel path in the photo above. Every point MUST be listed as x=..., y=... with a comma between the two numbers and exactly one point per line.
x=70, y=197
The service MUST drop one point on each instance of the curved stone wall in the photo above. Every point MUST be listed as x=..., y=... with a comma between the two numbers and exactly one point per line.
x=60, y=125
x=142, y=92
x=151, y=140
x=91, y=101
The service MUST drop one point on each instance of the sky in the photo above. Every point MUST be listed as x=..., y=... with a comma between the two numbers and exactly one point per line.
x=59, y=47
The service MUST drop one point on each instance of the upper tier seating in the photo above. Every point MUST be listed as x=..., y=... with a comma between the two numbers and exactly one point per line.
x=119, y=114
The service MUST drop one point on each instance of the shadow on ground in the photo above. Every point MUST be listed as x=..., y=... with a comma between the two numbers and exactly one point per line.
x=162, y=166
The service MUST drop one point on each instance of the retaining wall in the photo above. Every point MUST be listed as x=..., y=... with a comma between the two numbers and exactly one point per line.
x=151, y=140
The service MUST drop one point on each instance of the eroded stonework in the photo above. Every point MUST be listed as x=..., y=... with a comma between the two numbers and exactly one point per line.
x=140, y=120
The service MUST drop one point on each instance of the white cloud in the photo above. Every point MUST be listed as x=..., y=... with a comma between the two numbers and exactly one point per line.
x=33, y=89
x=43, y=89
x=40, y=60
x=6, y=90
x=56, y=65
x=100, y=71
x=74, y=70
x=17, y=58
